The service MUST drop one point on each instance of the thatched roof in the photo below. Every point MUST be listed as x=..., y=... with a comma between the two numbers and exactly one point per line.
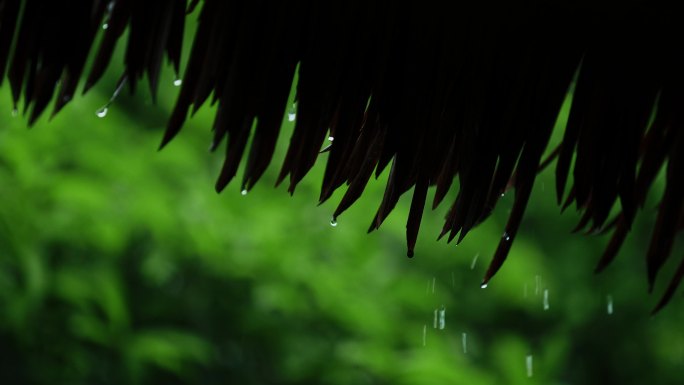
x=436, y=92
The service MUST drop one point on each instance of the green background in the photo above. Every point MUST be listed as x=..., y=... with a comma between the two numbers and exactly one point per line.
x=121, y=265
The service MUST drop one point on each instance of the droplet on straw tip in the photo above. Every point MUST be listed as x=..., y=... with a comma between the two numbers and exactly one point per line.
x=102, y=112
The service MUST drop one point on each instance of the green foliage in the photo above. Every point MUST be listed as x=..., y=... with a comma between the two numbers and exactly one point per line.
x=119, y=264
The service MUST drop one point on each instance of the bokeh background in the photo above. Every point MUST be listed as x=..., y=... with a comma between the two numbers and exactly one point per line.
x=121, y=265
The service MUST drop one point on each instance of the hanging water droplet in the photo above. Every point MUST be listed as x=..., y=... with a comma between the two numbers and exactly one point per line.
x=464, y=342
x=502, y=194
x=178, y=82
x=424, y=334
x=546, y=299
x=442, y=318
x=484, y=285
x=529, y=365
x=333, y=222
x=609, y=304
x=506, y=236
x=105, y=26
x=102, y=112
x=15, y=112
x=434, y=320
x=472, y=264
x=330, y=138
x=243, y=192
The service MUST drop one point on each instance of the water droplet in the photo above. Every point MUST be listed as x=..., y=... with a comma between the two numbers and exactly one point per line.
x=330, y=138
x=506, y=236
x=15, y=112
x=537, y=284
x=484, y=285
x=609, y=304
x=333, y=222
x=424, y=334
x=472, y=264
x=292, y=112
x=464, y=342
x=529, y=365
x=102, y=112
x=178, y=82
x=243, y=192
x=546, y=299
x=442, y=318
x=105, y=26
x=502, y=194
x=434, y=320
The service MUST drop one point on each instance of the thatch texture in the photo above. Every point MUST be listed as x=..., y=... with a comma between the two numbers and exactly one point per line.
x=434, y=91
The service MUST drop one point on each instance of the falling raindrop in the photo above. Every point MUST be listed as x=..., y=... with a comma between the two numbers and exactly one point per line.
x=333, y=222
x=178, y=82
x=243, y=192
x=537, y=284
x=434, y=321
x=529, y=365
x=292, y=113
x=102, y=112
x=609, y=304
x=15, y=112
x=464, y=342
x=546, y=299
x=424, y=334
x=442, y=318
x=472, y=264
